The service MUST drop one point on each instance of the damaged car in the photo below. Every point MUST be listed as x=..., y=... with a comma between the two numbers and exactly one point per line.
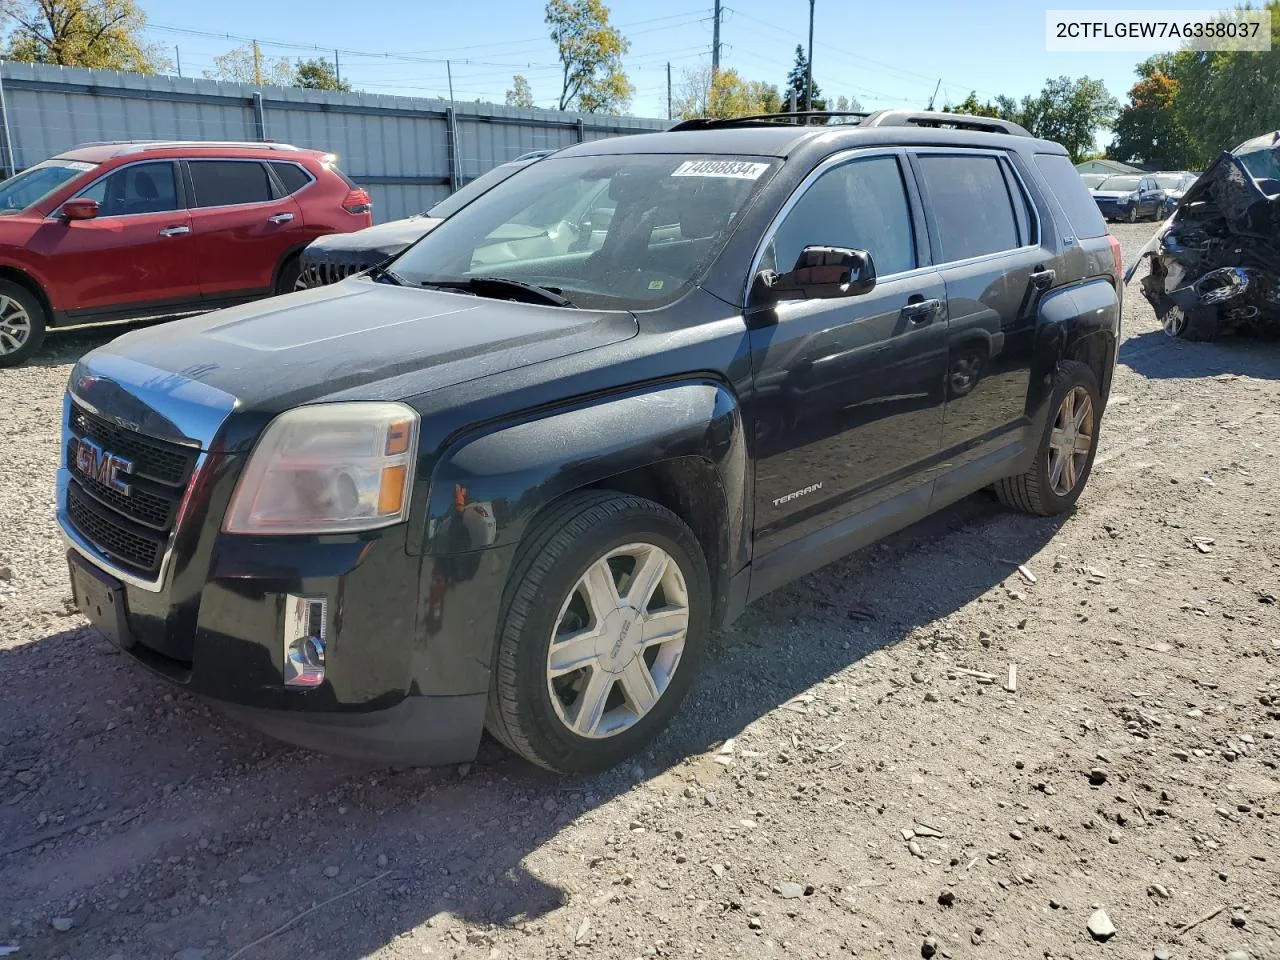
x=1215, y=264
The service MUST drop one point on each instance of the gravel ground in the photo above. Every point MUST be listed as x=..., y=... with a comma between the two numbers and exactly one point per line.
x=837, y=784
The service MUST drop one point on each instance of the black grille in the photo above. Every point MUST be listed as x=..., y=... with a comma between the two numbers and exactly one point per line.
x=130, y=528
x=322, y=274
x=154, y=459
x=125, y=543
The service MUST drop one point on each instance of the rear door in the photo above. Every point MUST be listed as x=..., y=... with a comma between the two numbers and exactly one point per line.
x=137, y=254
x=996, y=262
x=242, y=227
x=848, y=391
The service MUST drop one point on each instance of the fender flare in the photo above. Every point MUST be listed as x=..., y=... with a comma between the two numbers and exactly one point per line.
x=506, y=473
x=1074, y=322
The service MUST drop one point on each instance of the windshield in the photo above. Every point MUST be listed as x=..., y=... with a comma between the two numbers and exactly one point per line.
x=1091, y=180
x=478, y=187
x=1262, y=164
x=35, y=183
x=1120, y=183
x=1171, y=181
x=608, y=232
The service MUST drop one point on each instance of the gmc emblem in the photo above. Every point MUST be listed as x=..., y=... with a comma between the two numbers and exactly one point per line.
x=103, y=466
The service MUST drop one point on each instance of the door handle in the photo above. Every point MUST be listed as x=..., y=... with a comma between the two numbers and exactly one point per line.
x=921, y=311
x=280, y=218
x=174, y=231
x=1042, y=279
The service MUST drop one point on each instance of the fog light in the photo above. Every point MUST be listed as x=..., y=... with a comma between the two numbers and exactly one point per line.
x=305, y=624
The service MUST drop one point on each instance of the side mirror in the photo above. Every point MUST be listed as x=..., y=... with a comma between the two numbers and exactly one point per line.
x=81, y=208
x=820, y=273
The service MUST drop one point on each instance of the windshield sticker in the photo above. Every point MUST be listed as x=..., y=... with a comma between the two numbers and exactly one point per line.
x=657, y=284
x=734, y=169
x=79, y=165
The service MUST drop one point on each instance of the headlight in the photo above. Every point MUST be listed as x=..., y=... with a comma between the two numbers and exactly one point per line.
x=328, y=468
x=1132, y=197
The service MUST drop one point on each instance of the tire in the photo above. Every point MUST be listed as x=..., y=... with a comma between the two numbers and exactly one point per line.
x=1133, y=214
x=290, y=275
x=534, y=714
x=1198, y=323
x=1042, y=490
x=22, y=324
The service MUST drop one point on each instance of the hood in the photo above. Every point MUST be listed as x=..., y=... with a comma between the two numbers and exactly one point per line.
x=372, y=244
x=345, y=338
x=1228, y=185
x=1114, y=194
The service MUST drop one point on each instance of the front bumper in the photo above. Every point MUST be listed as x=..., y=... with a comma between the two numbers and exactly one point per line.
x=407, y=647
x=1114, y=209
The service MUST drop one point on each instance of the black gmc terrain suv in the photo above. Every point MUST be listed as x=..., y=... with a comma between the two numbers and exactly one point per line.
x=514, y=478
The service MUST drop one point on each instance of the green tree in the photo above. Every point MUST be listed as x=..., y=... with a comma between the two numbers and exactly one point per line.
x=249, y=65
x=319, y=74
x=725, y=95
x=796, y=81
x=1070, y=112
x=1002, y=108
x=1148, y=129
x=100, y=34
x=766, y=96
x=591, y=57
x=1225, y=97
x=520, y=94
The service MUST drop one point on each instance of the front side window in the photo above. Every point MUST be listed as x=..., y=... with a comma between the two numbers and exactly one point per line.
x=861, y=205
x=224, y=183
x=139, y=188
x=35, y=183
x=629, y=232
x=972, y=210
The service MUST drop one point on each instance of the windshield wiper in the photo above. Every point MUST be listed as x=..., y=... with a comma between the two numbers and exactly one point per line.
x=496, y=286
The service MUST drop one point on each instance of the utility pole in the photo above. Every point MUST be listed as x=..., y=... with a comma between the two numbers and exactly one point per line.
x=257, y=64
x=177, y=56
x=808, y=69
x=935, y=94
x=337, y=69
x=669, y=117
x=715, y=40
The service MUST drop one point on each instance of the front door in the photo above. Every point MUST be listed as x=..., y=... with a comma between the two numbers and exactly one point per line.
x=996, y=264
x=135, y=255
x=849, y=391
x=242, y=230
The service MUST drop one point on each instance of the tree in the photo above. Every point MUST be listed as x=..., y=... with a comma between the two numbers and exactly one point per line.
x=1148, y=129
x=319, y=74
x=1224, y=97
x=100, y=34
x=725, y=95
x=520, y=94
x=248, y=65
x=796, y=81
x=1070, y=112
x=591, y=56
x=1003, y=108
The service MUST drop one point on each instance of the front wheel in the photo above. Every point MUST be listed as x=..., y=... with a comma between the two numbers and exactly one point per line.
x=22, y=324
x=1133, y=214
x=1065, y=454
x=604, y=623
x=290, y=278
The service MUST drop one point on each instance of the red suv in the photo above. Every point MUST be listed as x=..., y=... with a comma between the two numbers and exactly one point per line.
x=112, y=231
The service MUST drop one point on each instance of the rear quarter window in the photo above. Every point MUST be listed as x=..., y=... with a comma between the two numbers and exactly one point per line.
x=1072, y=195
x=292, y=176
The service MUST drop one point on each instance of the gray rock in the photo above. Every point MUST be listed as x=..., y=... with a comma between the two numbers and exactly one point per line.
x=946, y=898
x=918, y=676
x=248, y=878
x=1159, y=890
x=710, y=798
x=331, y=871
x=382, y=860
x=1238, y=955
x=1162, y=953
x=755, y=924
x=1097, y=776
x=913, y=848
x=1114, y=837
x=790, y=890
x=930, y=697
x=62, y=924
x=6, y=573
x=1237, y=920
x=1100, y=925
x=928, y=948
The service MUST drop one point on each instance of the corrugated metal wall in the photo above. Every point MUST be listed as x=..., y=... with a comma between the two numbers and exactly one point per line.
x=396, y=147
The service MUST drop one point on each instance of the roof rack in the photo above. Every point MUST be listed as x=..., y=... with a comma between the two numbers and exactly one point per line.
x=800, y=118
x=880, y=118
x=137, y=146
x=936, y=118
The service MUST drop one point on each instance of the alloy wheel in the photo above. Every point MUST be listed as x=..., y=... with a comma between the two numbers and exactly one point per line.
x=1175, y=321
x=617, y=640
x=1070, y=441
x=15, y=325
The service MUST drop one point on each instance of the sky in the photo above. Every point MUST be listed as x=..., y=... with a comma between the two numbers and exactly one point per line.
x=884, y=54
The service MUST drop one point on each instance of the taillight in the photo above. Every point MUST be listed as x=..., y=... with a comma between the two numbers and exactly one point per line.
x=357, y=201
x=1115, y=252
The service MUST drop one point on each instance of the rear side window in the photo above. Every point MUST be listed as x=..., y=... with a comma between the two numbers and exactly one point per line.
x=1073, y=196
x=971, y=206
x=292, y=176
x=222, y=183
